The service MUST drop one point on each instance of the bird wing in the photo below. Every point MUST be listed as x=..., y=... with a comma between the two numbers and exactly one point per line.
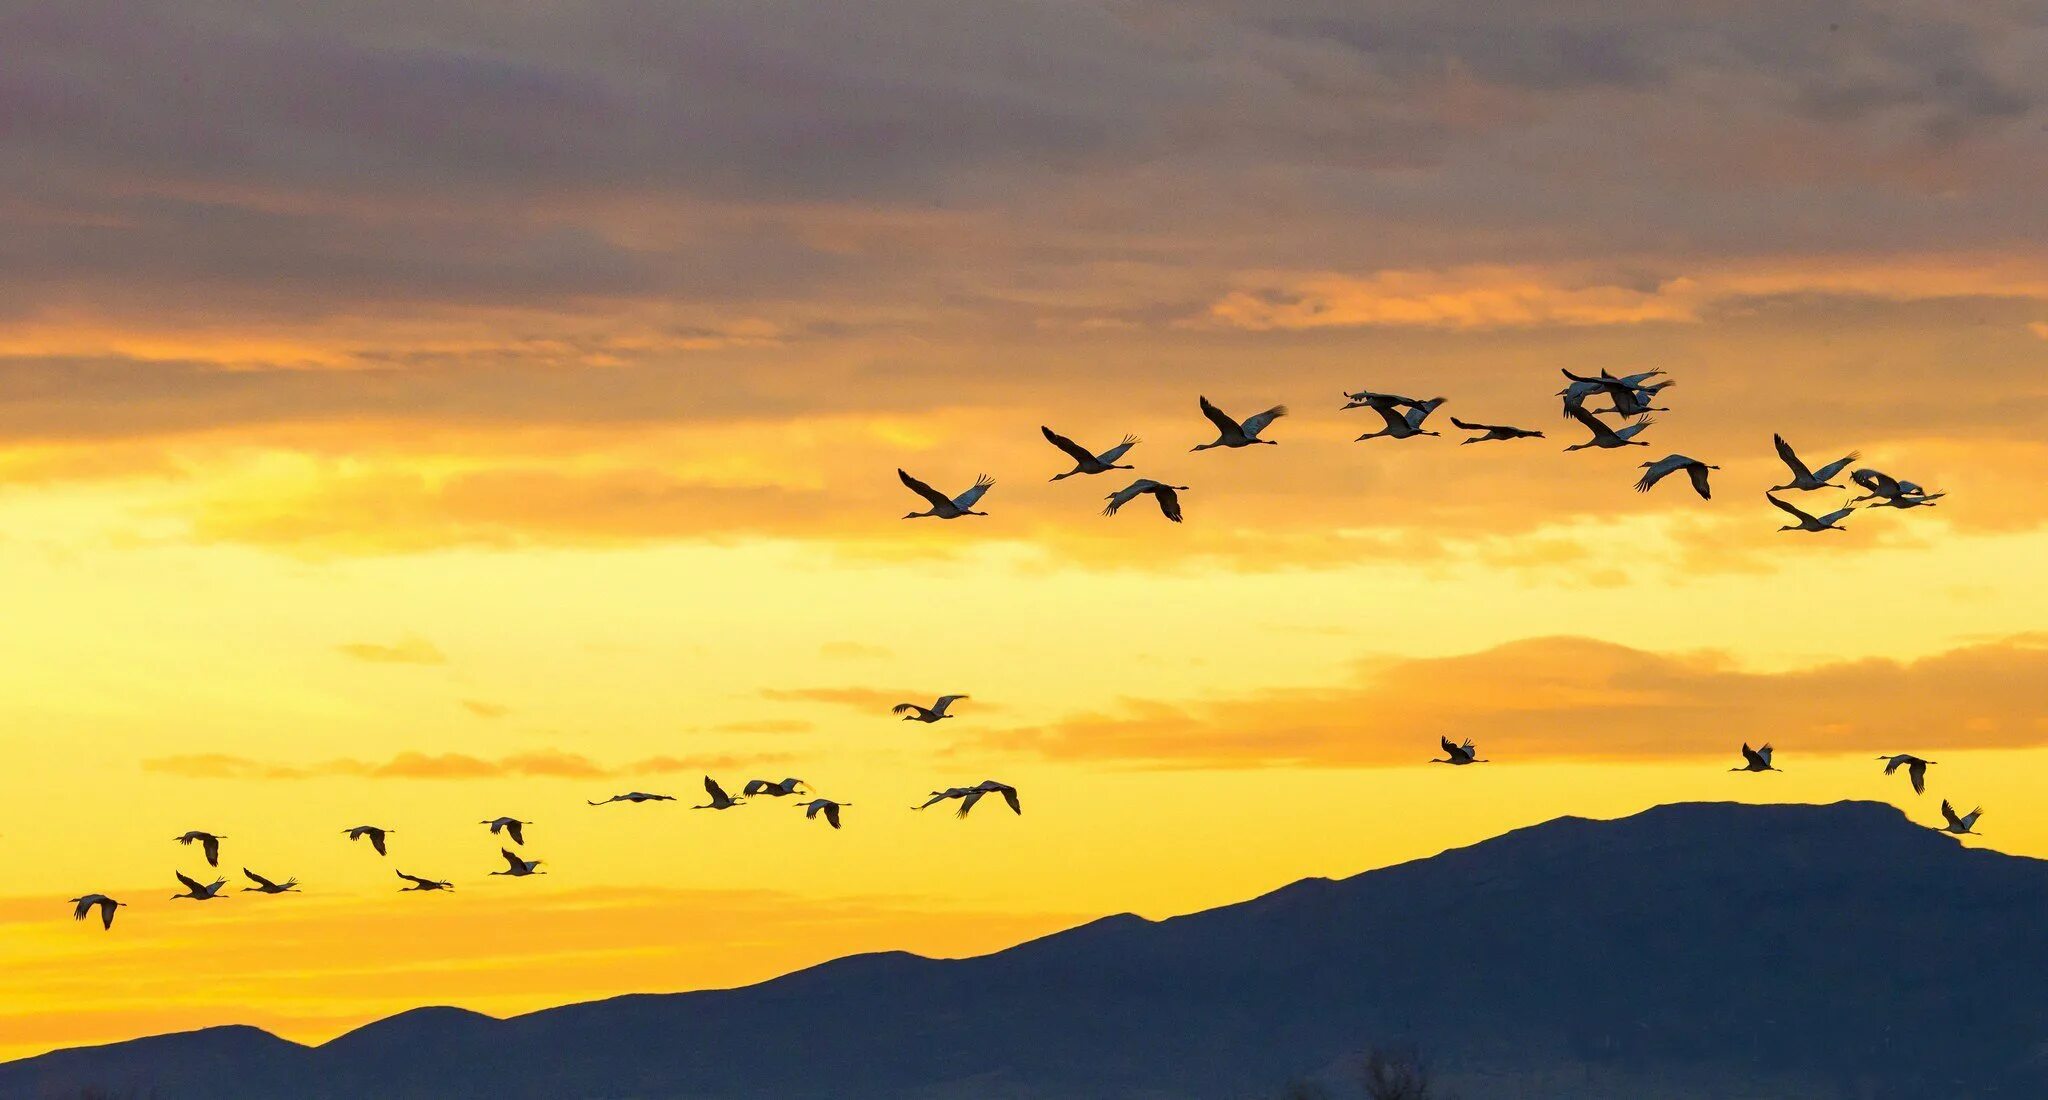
x=1256, y=423
x=792, y=784
x=106, y=905
x=258, y=879
x=936, y=798
x=1791, y=459
x=1698, y=472
x=967, y=802
x=1592, y=423
x=1658, y=469
x=1764, y=754
x=513, y=829
x=1635, y=429
x=513, y=861
x=211, y=845
x=84, y=906
x=980, y=488
x=712, y=788
x=1216, y=416
x=1829, y=519
x=944, y=701
x=1876, y=481
x=607, y=801
x=1917, y=772
x=756, y=786
x=415, y=879
x=1755, y=758
x=1948, y=812
x=1169, y=502
x=1125, y=495
x=1891, y=765
x=1449, y=749
x=190, y=884
x=831, y=813
x=1457, y=423
x=377, y=840
x=1827, y=472
x=938, y=499
x=904, y=708
x=1079, y=453
x=1010, y=796
x=1117, y=451
x=1796, y=513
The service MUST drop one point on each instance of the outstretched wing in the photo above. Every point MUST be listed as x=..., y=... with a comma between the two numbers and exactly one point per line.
x=1593, y=423
x=1827, y=472
x=968, y=802
x=258, y=879
x=511, y=861
x=904, y=708
x=1126, y=495
x=106, y=912
x=1949, y=812
x=936, y=798
x=1169, y=502
x=211, y=845
x=966, y=500
x=1223, y=423
x=831, y=813
x=1009, y=794
x=1079, y=453
x=1698, y=473
x=1657, y=470
x=414, y=879
x=84, y=906
x=756, y=786
x=1256, y=423
x=1794, y=512
x=712, y=788
x=1917, y=772
x=1755, y=758
x=190, y=884
x=377, y=840
x=945, y=701
x=1829, y=519
x=513, y=828
x=938, y=499
x=1876, y=482
x=1791, y=460
x=1117, y=451
x=1635, y=429
x=1892, y=765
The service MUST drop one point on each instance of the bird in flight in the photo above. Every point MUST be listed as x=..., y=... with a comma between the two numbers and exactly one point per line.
x=265, y=886
x=1084, y=462
x=824, y=806
x=1167, y=495
x=375, y=834
x=1632, y=393
x=968, y=796
x=1671, y=464
x=1889, y=492
x=1960, y=826
x=1756, y=760
x=197, y=892
x=1606, y=437
x=1805, y=479
x=1401, y=425
x=1368, y=398
x=208, y=842
x=774, y=790
x=1809, y=522
x=1916, y=769
x=719, y=799
x=1467, y=753
x=1493, y=431
x=911, y=712
x=510, y=826
x=635, y=796
x=1230, y=433
x=106, y=906
x=942, y=506
x=516, y=867
x=419, y=883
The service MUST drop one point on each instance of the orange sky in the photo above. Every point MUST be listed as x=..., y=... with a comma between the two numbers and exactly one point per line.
x=448, y=412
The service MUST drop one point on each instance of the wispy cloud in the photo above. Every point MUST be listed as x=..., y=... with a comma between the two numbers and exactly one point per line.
x=544, y=763
x=407, y=651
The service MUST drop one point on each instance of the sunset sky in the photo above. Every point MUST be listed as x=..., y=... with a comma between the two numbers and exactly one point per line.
x=412, y=413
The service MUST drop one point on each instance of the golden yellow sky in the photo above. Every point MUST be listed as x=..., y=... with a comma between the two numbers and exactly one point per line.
x=440, y=412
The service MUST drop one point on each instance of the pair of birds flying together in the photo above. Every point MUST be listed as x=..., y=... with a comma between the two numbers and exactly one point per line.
x=968, y=796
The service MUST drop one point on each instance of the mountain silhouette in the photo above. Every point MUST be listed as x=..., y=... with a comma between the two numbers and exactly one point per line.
x=1695, y=950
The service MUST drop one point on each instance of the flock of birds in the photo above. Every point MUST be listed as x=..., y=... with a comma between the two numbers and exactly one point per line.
x=513, y=829
x=1633, y=397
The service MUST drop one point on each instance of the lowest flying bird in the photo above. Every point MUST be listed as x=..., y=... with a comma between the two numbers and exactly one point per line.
x=1086, y=462
x=1230, y=433
x=943, y=506
x=1168, y=497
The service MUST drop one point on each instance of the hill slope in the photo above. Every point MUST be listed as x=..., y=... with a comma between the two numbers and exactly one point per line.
x=1691, y=950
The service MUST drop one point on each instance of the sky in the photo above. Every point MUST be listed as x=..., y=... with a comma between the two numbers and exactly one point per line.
x=412, y=413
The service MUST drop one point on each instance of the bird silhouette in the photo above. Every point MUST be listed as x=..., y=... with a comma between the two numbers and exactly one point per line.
x=719, y=799
x=774, y=790
x=1467, y=753
x=208, y=843
x=634, y=796
x=824, y=806
x=1916, y=769
x=517, y=867
x=1167, y=495
x=1805, y=479
x=1402, y=425
x=1670, y=464
x=1891, y=492
x=195, y=891
x=1960, y=826
x=1606, y=437
x=1490, y=432
x=911, y=712
x=1806, y=521
x=1230, y=433
x=376, y=835
x=265, y=886
x=1085, y=462
x=510, y=826
x=421, y=884
x=942, y=506
x=1756, y=760
x=1364, y=398
x=107, y=905
x=968, y=796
